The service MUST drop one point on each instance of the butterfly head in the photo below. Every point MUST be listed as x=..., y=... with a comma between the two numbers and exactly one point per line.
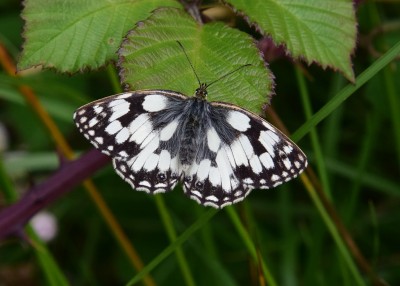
x=201, y=92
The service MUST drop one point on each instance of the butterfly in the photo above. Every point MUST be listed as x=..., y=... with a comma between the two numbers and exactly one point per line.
x=219, y=151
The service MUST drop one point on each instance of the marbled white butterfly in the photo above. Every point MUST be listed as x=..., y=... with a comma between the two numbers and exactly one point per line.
x=219, y=151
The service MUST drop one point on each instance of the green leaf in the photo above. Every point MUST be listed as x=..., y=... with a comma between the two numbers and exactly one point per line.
x=150, y=58
x=71, y=35
x=314, y=30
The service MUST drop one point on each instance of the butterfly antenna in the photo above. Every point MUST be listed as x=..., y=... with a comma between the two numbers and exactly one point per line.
x=187, y=57
x=229, y=73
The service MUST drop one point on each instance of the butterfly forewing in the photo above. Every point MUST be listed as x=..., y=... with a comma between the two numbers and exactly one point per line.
x=219, y=151
x=127, y=128
x=109, y=123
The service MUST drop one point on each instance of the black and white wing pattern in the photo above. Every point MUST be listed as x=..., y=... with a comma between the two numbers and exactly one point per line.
x=219, y=151
x=245, y=153
x=126, y=127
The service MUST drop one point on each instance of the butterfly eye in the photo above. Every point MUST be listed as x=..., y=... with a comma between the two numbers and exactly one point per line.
x=188, y=179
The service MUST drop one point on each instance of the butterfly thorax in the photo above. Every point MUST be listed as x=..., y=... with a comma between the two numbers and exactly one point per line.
x=201, y=92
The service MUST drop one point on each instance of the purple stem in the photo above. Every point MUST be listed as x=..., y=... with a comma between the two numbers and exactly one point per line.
x=71, y=173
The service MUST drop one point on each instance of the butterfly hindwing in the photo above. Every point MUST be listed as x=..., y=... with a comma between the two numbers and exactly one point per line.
x=153, y=177
x=254, y=155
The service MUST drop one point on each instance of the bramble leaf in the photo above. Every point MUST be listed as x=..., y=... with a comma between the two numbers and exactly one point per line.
x=73, y=35
x=150, y=58
x=314, y=30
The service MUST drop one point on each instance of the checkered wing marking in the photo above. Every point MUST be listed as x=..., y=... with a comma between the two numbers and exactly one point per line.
x=259, y=157
x=122, y=127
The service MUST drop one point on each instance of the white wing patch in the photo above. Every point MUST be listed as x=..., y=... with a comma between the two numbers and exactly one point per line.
x=267, y=142
x=164, y=162
x=119, y=108
x=142, y=132
x=168, y=131
x=151, y=162
x=155, y=102
x=267, y=161
x=122, y=136
x=147, y=151
x=113, y=127
x=238, y=120
x=255, y=164
x=246, y=146
x=215, y=176
x=213, y=139
x=225, y=169
x=239, y=154
x=203, y=169
x=138, y=122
